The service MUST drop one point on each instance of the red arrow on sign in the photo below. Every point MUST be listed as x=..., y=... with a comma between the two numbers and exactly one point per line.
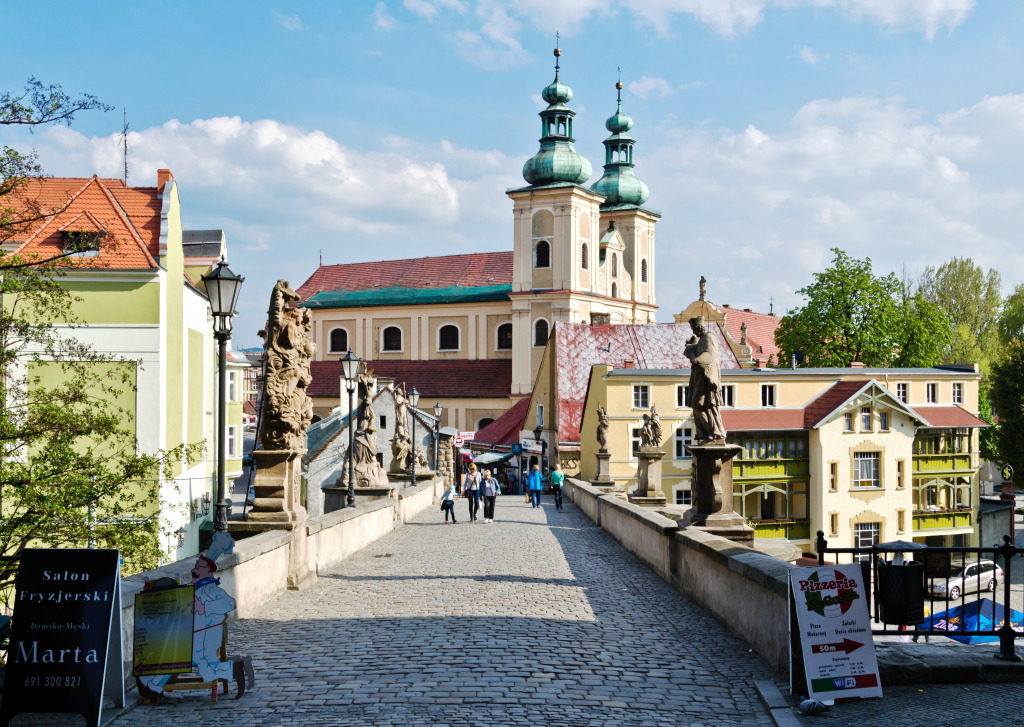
x=848, y=646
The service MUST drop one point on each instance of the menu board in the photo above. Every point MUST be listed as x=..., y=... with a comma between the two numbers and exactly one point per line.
x=836, y=646
x=65, y=647
x=163, y=631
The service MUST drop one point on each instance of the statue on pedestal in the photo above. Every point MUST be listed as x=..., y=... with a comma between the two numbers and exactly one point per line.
x=602, y=428
x=367, y=470
x=402, y=445
x=650, y=434
x=705, y=383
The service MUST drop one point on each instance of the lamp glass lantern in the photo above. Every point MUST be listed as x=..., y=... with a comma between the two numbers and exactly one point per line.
x=437, y=410
x=223, y=287
x=350, y=366
x=414, y=397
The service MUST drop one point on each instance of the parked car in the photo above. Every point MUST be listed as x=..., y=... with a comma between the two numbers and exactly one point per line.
x=250, y=498
x=967, y=578
x=247, y=459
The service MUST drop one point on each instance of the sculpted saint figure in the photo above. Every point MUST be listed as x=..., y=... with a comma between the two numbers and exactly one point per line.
x=602, y=428
x=705, y=383
x=650, y=434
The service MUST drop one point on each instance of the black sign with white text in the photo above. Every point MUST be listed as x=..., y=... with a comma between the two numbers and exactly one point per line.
x=61, y=633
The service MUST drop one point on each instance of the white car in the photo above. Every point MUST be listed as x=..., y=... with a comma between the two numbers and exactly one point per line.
x=967, y=578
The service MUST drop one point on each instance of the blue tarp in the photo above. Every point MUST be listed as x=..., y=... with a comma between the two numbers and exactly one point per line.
x=980, y=615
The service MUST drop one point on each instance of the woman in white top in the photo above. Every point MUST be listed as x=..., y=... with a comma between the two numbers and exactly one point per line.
x=471, y=489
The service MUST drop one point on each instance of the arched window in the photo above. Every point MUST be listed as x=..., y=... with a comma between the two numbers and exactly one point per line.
x=643, y=271
x=584, y=257
x=615, y=266
x=339, y=340
x=505, y=337
x=483, y=423
x=540, y=332
x=448, y=338
x=392, y=338
x=615, y=290
x=543, y=255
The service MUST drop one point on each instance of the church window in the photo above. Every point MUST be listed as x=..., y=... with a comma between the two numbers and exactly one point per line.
x=505, y=337
x=643, y=271
x=540, y=332
x=615, y=290
x=615, y=266
x=392, y=338
x=448, y=338
x=339, y=340
x=584, y=257
x=543, y=255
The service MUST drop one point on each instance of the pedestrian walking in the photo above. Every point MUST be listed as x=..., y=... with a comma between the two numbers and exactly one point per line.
x=535, y=485
x=490, y=489
x=513, y=483
x=448, y=503
x=557, y=477
x=471, y=489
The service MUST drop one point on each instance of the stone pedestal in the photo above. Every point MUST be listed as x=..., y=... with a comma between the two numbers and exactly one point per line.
x=603, y=476
x=277, y=506
x=648, y=492
x=711, y=485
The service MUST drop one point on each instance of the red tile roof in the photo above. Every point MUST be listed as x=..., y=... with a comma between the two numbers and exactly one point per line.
x=578, y=347
x=747, y=420
x=830, y=400
x=505, y=429
x=433, y=379
x=129, y=215
x=949, y=416
x=472, y=270
x=760, y=330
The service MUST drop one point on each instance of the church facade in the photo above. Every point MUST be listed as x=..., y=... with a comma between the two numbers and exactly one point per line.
x=581, y=254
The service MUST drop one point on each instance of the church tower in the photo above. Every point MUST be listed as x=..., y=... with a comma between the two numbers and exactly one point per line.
x=626, y=224
x=566, y=265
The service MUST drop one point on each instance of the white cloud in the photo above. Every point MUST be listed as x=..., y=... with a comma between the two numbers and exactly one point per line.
x=808, y=55
x=647, y=87
x=871, y=176
x=289, y=22
x=382, y=19
x=429, y=9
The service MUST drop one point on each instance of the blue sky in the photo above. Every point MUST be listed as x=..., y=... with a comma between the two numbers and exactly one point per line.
x=768, y=130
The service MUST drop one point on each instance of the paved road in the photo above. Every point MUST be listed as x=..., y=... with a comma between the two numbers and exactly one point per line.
x=537, y=619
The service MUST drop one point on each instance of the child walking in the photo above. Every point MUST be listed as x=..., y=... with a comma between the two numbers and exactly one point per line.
x=448, y=503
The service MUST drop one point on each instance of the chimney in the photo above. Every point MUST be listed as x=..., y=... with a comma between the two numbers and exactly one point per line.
x=162, y=176
x=746, y=310
x=856, y=364
x=627, y=363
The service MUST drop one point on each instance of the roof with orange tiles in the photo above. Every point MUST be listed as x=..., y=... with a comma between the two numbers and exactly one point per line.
x=578, y=347
x=760, y=329
x=472, y=270
x=949, y=416
x=440, y=378
x=130, y=217
x=503, y=431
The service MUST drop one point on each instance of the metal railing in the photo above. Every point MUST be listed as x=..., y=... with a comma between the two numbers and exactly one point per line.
x=950, y=581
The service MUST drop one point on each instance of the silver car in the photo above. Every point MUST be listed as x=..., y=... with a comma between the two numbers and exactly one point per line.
x=967, y=578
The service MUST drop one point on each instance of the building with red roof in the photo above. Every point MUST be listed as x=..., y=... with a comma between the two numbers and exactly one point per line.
x=137, y=280
x=864, y=454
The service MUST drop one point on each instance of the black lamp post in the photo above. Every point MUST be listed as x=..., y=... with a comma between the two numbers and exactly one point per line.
x=222, y=288
x=437, y=432
x=414, y=399
x=537, y=434
x=350, y=368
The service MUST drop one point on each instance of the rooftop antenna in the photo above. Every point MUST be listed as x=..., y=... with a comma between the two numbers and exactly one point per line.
x=771, y=306
x=321, y=258
x=124, y=144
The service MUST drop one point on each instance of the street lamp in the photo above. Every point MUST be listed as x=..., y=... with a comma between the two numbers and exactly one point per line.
x=537, y=433
x=414, y=399
x=350, y=368
x=222, y=288
x=437, y=432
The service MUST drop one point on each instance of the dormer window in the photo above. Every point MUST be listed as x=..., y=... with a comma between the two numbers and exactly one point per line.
x=84, y=243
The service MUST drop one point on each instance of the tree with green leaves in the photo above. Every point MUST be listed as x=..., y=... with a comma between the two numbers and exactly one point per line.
x=971, y=299
x=1011, y=319
x=71, y=474
x=1007, y=392
x=853, y=315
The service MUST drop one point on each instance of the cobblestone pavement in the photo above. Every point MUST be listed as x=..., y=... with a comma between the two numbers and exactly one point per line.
x=537, y=619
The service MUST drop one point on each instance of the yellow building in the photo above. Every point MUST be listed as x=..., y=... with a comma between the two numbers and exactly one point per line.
x=863, y=454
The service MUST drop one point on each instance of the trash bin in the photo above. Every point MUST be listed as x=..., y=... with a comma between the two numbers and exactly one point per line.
x=900, y=592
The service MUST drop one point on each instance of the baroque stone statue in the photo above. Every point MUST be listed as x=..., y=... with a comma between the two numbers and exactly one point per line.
x=602, y=428
x=650, y=434
x=287, y=410
x=402, y=445
x=743, y=333
x=367, y=470
x=705, y=383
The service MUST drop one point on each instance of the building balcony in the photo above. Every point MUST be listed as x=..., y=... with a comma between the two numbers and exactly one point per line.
x=936, y=463
x=789, y=529
x=948, y=519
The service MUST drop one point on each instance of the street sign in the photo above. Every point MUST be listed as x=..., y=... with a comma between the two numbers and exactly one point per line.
x=533, y=446
x=467, y=436
x=517, y=449
x=1007, y=472
x=459, y=441
x=836, y=647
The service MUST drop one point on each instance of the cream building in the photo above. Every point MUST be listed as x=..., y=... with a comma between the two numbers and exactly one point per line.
x=865, y=455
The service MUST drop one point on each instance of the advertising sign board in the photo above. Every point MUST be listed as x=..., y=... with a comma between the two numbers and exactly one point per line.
x=65, y=646
x=836, y=646
x=163, y=631
x=467, y=436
